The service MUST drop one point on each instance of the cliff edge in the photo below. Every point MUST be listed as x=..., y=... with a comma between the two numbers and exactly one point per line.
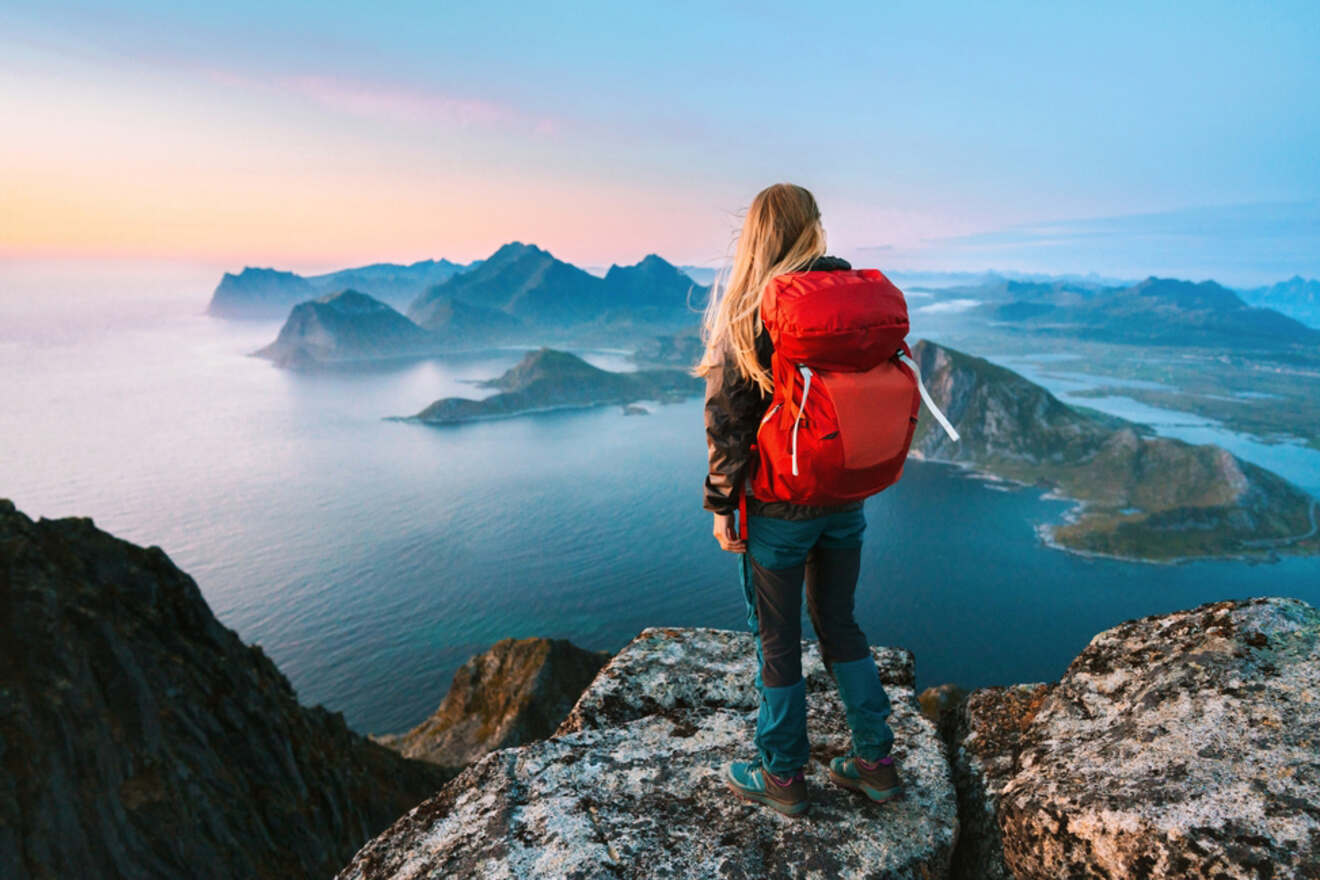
x=1176, y=746
x=141, y=738
x=629, y=787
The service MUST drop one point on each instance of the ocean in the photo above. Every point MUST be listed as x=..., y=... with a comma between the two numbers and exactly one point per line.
x=369, y=558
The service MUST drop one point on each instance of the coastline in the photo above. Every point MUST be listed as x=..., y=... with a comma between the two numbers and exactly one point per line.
x=1045, y=531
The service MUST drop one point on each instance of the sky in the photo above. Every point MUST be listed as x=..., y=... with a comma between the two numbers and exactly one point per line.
x=1120, y=138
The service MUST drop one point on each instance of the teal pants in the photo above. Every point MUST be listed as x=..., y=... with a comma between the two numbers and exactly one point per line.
x=824, y=553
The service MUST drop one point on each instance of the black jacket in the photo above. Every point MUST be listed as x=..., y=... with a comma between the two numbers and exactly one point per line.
x=734, y=409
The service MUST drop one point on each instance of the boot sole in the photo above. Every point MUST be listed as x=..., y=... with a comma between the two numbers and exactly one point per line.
x=793, y=811
x=876, y=794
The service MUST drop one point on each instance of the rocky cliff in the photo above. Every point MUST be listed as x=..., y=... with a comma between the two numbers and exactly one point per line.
x=140, y=738
x=629, y=785
x=517, y=691
x=1181, y=746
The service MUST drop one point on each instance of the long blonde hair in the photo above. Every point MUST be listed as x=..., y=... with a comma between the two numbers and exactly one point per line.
x=781, y=233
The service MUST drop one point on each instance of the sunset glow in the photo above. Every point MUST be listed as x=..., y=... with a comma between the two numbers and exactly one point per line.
x=405, y=132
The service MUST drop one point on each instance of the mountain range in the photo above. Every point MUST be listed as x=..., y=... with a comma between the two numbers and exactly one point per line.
x=270, y=293
x=530, y=284
x=520, y=280
x=351, y=326
x=517, y=296
x=1298, y=298
x=1157, y=311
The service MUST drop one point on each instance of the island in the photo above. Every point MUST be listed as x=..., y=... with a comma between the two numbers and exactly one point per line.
x=1139, y=496
x=512, y=298
x=547, y=379
x=345, y=326
x=350, y=326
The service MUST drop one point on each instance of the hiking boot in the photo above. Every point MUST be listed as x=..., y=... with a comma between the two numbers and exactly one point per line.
x=751, y=781
x=878, y=781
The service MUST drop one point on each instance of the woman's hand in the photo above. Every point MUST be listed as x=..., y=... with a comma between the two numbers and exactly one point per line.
x=726, y=532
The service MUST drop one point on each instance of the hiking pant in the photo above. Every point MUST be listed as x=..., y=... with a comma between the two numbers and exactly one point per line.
x=825, y=553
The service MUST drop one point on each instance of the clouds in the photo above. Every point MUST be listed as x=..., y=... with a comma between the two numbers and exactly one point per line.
x=1244, y=244
x=390, y=102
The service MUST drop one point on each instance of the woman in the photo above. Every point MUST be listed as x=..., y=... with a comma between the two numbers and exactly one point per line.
x=787, y=544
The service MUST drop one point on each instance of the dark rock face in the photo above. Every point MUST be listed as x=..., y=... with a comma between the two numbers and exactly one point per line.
x=140, y=738
x=985, y=738
x=630, y=787
x=941, y=704
x=1176, y=746
x=518, y=691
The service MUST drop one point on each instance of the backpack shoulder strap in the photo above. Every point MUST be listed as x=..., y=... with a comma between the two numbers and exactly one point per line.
x=905, y=355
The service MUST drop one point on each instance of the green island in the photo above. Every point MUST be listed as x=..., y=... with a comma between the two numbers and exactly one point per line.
x=547, y=379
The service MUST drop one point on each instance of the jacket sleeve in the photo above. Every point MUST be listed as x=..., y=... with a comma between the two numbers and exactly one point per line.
x=733, y=413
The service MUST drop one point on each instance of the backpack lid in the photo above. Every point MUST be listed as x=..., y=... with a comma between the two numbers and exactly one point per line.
x=847, y=320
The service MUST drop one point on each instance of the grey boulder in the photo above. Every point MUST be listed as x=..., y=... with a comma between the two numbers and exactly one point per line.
x=630, y=785
x=1185, y=745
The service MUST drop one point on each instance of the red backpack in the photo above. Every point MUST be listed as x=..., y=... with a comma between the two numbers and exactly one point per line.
x=846, y=390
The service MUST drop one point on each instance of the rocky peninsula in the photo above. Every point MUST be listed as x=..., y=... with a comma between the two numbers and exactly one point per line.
x=1140, y=496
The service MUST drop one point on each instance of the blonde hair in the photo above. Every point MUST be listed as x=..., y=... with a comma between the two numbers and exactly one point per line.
x=781, y=233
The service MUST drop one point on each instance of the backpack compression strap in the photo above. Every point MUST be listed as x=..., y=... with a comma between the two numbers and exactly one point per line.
x=742, y=490
x=742, y=512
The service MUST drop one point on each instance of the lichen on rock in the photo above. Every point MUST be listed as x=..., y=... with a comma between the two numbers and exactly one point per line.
x=630, y=786
x=1185, y=745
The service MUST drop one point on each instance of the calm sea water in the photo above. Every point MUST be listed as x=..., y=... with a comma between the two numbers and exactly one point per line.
x=369, y=558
